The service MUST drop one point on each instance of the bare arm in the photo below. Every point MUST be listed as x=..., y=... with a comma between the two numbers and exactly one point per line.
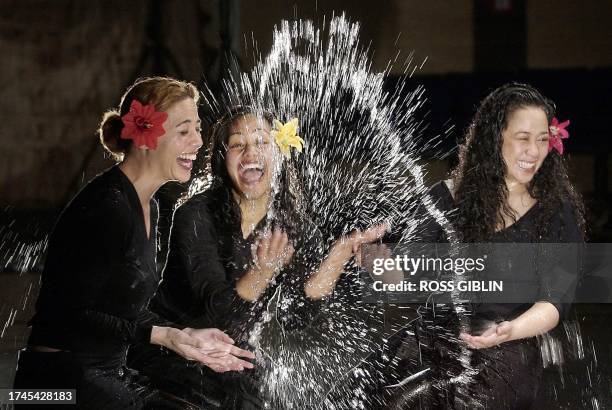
x=537, y=320
x=323, y=281
x=253, y=283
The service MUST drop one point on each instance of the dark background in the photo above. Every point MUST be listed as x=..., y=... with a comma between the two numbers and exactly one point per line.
x=63, y=63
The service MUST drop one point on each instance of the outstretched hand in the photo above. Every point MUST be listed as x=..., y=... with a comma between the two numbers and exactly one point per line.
x=494, y=335
x=210, y=347
x=220, y=350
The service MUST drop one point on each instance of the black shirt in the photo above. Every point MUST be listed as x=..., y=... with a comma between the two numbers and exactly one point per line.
x=100, y=272
x=551, y=282
x=208, y=254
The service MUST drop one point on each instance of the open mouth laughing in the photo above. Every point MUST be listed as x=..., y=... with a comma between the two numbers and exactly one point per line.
x=186, y=160
x=527, y=165
x=251, y=173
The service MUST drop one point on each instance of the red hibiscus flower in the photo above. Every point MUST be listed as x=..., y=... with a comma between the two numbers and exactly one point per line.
x=557, y=133
x=143, y=125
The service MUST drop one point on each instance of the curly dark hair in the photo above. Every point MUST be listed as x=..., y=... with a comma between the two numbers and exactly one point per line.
x=285, y=204
x=480, y=190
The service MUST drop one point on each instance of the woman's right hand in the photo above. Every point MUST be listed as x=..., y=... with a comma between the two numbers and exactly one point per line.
x=270, y=254
x=206, y=347
x=273, y=252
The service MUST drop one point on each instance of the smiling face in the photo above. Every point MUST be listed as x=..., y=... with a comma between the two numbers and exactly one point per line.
x=525, y=144
x=177, y=148
x=251, y=157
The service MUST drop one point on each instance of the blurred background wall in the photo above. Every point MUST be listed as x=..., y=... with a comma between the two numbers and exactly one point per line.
x=64, y=62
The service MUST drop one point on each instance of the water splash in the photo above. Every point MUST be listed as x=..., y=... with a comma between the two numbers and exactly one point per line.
x=360, y=167
x=22, y=248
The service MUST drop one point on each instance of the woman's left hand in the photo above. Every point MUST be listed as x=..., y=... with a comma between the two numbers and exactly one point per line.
x=351, y=244
x=217, y=343
x=496, y=334
x=324, y=280
x=220, y=351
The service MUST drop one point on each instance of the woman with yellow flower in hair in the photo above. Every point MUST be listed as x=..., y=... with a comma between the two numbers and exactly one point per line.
x=234, y=244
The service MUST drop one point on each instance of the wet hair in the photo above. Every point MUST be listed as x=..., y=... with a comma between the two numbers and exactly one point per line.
x=162, y=92
x=481, y=193
x=285, y=203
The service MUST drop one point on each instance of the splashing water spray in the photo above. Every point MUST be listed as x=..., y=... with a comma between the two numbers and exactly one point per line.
x=359, y=168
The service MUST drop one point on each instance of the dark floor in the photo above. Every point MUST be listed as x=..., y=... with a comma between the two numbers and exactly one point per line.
x=576, y=386
x=17, y=295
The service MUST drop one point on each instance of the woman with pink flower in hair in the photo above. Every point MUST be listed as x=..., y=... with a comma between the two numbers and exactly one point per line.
x=100, y=271
x=510, y=186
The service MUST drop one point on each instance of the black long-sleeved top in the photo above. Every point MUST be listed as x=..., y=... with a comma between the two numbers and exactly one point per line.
x=100, y=272
x=208, y=255
x=551, y=283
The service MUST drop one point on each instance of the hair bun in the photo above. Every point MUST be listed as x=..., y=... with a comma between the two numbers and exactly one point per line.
x=110, y=135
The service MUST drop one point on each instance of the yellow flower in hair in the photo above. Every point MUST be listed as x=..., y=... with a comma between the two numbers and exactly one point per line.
x=286, y=136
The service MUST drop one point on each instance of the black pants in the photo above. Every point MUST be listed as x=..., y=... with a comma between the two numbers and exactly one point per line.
x=100, y=383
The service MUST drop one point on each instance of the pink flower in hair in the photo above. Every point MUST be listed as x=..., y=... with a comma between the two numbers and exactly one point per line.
x=557, y=133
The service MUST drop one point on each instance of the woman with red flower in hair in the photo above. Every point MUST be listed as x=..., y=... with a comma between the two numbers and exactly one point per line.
x=100, y=270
